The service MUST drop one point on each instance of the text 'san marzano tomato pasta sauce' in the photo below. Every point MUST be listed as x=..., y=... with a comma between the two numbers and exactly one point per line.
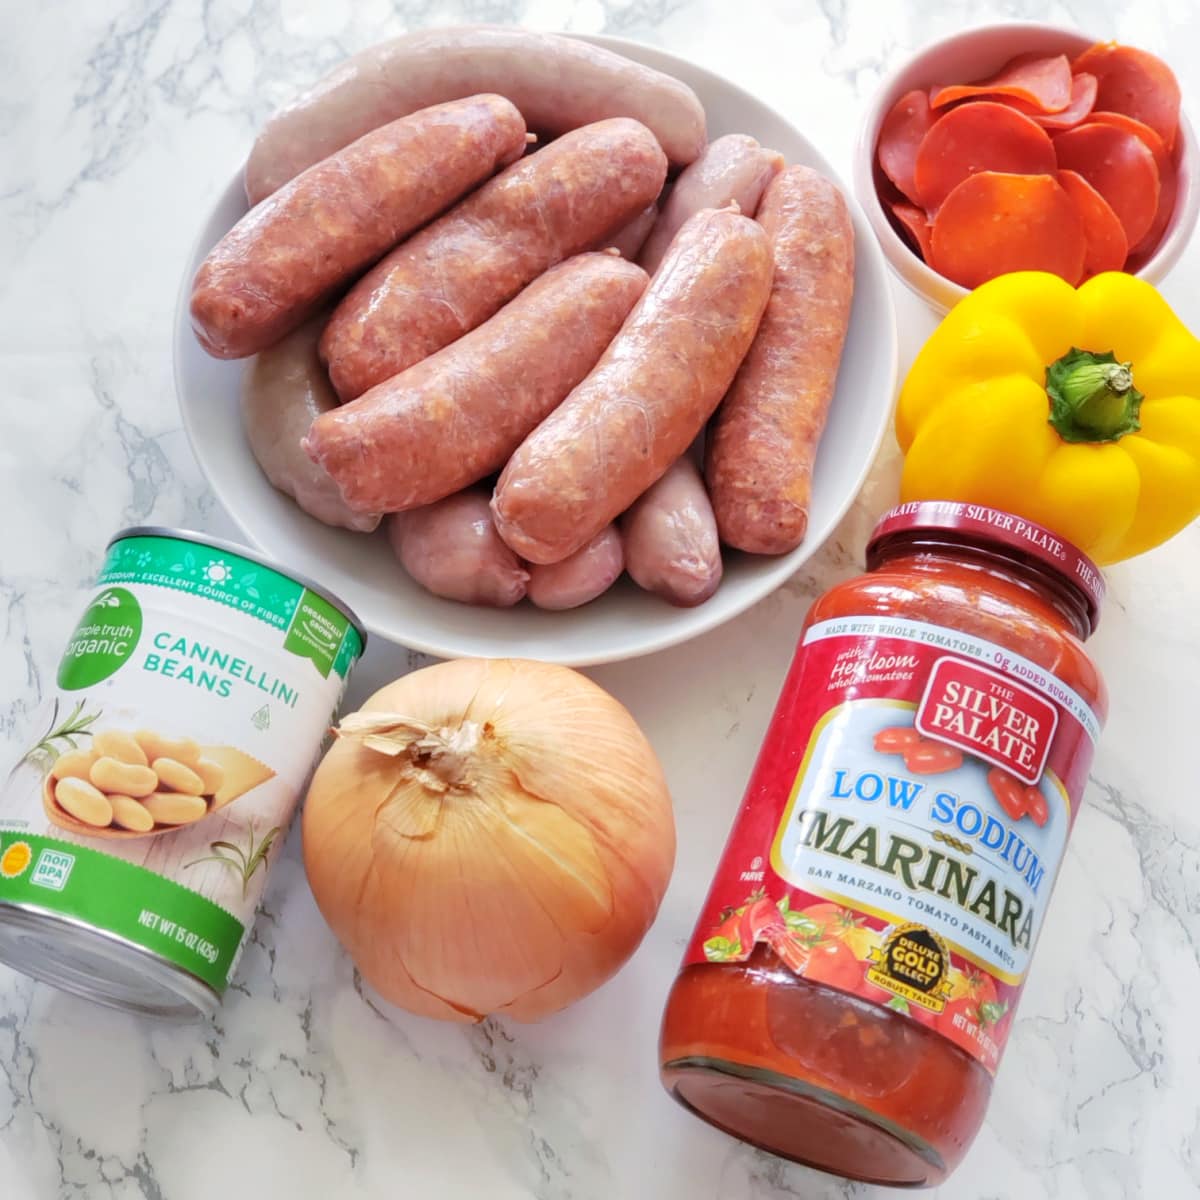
x=190, y=704
x=853, y=975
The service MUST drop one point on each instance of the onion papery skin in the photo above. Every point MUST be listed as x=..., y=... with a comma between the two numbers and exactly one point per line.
x=509, y=860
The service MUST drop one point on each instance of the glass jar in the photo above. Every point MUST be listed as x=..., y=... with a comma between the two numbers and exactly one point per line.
x=854, y=971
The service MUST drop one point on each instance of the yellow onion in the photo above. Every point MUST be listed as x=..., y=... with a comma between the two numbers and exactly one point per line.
x=489, y=836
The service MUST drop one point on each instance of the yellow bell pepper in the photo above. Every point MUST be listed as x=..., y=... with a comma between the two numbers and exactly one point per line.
x=1078, y=408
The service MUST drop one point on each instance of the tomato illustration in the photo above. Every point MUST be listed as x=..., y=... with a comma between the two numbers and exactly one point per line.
x=973, y=1015
x=734, y=939
x=932, y=758
x=896, y=739
x=1000, y=1029
x=1009, y=793
x=826, y=920
x=818, y=920
x=1017, y=799
x=958, y=1022
x=725, y=944
x=834, y=964
x=728, y=929
x=763, y=915
x=1035, y=805
x=862, y=940
x=972, y=985
x=793, y=955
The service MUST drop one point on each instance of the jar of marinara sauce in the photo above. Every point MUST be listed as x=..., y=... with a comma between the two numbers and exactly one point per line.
x=855, y=969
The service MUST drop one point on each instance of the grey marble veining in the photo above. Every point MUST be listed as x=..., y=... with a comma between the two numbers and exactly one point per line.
x=120, y=122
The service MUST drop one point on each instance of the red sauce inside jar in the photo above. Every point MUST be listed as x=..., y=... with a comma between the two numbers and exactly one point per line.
x=856, y=1034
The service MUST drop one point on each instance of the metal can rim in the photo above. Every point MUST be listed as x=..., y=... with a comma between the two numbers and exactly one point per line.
x=263, y=560
x=197, y=999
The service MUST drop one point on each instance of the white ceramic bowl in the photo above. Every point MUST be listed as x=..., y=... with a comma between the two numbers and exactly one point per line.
x=974, y=55
x=625, y=622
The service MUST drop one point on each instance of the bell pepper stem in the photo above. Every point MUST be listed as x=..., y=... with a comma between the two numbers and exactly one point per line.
x=1092, y=397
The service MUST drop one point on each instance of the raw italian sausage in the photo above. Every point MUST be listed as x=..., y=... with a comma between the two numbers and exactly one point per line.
x=452, y=550
x=288, y=255
x=649, y=395
x=285, y=390
x=456, y=416
x=558, y=83
x=671, y=543
x=579, y=579
x=628, y=241
x=733, y=169
x=455, y=273
x=761, y=446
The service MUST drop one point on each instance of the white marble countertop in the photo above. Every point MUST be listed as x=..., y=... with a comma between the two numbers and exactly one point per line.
x=119, y=123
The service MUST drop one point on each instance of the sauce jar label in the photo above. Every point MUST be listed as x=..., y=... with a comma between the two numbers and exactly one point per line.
x=905, y=824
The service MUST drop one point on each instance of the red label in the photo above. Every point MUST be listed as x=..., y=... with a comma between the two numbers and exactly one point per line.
x=904, y=825
x=988, y=715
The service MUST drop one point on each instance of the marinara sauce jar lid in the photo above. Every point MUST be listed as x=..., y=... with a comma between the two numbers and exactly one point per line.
x=948, y=522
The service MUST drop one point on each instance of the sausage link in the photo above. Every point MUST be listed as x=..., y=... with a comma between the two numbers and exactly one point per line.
x=629, y=239
x=649, y=395
x=558, y=83
x=284, y=391
x=579, y=579
x=671, y=543
x=734, y=169
x=761, y=448
x=285, y=257
x=452, y=549
x=456, y=416
x=457, y=272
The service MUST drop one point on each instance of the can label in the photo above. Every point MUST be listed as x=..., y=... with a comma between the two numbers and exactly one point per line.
x=905, y=824
x=191, y=702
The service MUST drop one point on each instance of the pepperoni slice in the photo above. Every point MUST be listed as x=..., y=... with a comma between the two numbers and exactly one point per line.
x=1083, y=100
x=916, y=224
x=902, y=132
x=981, y=136
x=1167, y=195
x=1139, y=129
x=1120, y=166
x=1044, y=83
x=995, y=222
x=1136, y=83
x=1107, y=246
x=1166, y=174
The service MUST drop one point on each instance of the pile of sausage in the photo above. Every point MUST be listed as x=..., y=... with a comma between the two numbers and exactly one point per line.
x=479, y=308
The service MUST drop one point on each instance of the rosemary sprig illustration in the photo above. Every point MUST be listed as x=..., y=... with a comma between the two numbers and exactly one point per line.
x=59, y=736
x=242, y=862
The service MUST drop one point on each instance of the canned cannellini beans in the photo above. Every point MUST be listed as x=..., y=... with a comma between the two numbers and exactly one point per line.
x=135, y=834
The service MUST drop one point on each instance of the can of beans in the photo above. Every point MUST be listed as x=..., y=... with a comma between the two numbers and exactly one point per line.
x=189, y=707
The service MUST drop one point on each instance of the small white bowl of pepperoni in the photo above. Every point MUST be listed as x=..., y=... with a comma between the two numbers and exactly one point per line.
x=1027, y=147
